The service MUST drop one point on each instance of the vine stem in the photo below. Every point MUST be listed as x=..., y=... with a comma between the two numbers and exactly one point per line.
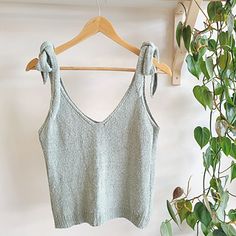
x=226, y=169
x=201, y=10
x=233, y=195
x=204, y=179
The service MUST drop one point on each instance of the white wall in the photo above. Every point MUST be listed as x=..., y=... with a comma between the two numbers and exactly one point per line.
x=24, y=100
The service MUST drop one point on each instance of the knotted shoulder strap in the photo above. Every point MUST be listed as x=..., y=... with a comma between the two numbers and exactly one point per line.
x=48, y=66
x=145, y=63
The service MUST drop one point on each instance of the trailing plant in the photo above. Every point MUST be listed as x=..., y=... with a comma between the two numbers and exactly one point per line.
x=211, y=59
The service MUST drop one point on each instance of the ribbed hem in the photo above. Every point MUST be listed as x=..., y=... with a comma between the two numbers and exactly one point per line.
x=140, y=220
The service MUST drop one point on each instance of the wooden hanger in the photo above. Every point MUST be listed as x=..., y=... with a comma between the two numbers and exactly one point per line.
x=93, y=26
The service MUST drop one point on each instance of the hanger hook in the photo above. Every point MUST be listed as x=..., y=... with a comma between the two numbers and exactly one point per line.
x=99, y=8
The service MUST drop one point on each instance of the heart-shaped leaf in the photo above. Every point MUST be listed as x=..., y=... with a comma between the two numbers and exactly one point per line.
x=193, y=66
x=184, y=208
x=202, y=213
x=166, y=229
x=212, y=45
x=232, y=214
x=201, y=135
x=203, y=95
x=225, y=145
x=213, y=8
x=192, y=220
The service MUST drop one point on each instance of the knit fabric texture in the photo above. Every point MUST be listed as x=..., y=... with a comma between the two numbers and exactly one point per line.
x=100, y=170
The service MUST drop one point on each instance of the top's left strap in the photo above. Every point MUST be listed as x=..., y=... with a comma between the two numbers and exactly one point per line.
x=47, y=62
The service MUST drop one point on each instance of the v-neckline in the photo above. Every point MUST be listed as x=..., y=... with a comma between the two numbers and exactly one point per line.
x=90, y=120
x=86, y=117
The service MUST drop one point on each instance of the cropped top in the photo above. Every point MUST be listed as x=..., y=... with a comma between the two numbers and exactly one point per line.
x=100, y=170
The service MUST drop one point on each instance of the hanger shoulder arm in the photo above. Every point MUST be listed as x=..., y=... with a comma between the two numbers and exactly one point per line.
x=31, y=64
x=163, y=67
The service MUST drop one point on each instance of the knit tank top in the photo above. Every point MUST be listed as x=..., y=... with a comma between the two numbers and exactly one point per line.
x=100, y=170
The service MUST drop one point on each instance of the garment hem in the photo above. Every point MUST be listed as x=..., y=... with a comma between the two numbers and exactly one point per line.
x=69, y=221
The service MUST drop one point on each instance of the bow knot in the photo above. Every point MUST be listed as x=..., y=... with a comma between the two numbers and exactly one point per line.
x=150, y=51
x=46, y=61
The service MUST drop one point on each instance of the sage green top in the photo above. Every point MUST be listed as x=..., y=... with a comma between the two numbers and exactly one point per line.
x=100, y=170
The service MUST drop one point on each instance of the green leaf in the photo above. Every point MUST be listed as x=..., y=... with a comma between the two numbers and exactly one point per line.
x=219, y=90
x=230, y=111
x=187, y=36
x=233, y=151
x=228, y=229
x=213, y=183
x=201, y=135
x=203, y=95
x=204, y=68
x=184, y=207
x=212, y=45
x=193, y=66
x=197, y=91
x=208, y=158
x=192, y=220
x=224, y=198
x=225, y=145
x=224, y=60
x=171, y=212
x=209, y=66
x=179, y=32
x=223, y=38
x=219, y=232
x=201, y=52
x=226, y=40
x=227, y=95
x=166, y=229
x=210, y=234
x=232, y=214
x=205, y=229
x=214, y=142
x=202, y=213
x=233, y=171
x=213, y=8
x=211, y=158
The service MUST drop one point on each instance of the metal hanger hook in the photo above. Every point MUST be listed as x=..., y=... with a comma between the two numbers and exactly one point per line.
x=99, y=8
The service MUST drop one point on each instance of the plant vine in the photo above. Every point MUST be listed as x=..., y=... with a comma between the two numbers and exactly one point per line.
x=211, y=59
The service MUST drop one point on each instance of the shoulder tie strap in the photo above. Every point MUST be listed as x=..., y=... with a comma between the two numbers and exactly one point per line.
x=48, y=66
x=150, y=50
